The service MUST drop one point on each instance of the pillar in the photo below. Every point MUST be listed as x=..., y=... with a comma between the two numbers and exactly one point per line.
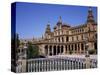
x=60, y=49
x=80, y=48
x=52, y=50
x=65, y=39
x=84, y=51
x=74, y=48
x=67, y=49
x=77, y=49
x=48, y=50
x=64, y=49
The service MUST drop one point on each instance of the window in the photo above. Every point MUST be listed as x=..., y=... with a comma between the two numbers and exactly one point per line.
x=66, y=39
x=59, y=39
x=82, y=46
x=72, y=38
x=72, y=47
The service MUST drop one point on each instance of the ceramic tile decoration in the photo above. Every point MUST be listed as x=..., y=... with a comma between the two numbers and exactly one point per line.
x=53, y=37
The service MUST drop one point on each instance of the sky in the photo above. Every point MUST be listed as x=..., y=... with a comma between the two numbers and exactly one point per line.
x=32, y=18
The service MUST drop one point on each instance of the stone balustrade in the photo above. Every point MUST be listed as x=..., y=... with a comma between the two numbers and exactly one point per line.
x=54, y=64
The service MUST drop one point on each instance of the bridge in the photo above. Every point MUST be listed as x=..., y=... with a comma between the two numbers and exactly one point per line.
x=56, y=64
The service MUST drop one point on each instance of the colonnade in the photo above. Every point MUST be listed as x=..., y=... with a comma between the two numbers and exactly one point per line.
x=77, y=48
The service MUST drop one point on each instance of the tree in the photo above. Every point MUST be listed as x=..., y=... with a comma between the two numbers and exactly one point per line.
x=70, y=51
x=33, y=51
x=93, y=51
x=17, y=40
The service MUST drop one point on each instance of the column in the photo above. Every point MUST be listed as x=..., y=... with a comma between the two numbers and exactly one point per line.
x=52, y=50
x=67, y=49
x=71, y=48
x=74, y=48
x=84, y=49
x=60, y=39
x=65, y=39
x=77, y=49
x=59, y=49
x=80, y=48
x=64, y=50
x=48, y=50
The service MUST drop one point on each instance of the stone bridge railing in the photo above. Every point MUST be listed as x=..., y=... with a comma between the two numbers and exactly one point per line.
x=54, y=64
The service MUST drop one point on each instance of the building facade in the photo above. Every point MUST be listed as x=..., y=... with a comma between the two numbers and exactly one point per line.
x=65, y=39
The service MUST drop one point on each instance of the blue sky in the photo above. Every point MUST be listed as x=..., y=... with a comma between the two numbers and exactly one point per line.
x=32, y=18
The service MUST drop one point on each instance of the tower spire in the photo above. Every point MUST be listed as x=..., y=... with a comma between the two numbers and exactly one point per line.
x=48, y=29
x=90, y=17
x=59, y=21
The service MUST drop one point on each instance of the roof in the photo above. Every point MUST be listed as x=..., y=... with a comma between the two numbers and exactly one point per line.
x=65, y=25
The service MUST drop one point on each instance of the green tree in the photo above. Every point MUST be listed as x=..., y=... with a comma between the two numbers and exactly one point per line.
x=17, y=40
x=33, y=51
x=70, y=51
x=93, y=51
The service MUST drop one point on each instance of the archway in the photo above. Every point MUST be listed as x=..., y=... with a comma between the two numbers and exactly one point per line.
x=50, y=48
x=54, y=48
x=46, y=49
x=58, y=49
x=61, y=49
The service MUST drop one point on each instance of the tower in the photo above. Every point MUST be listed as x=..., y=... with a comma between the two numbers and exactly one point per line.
x=59, y=21
x=90, y=17
x=48, y=29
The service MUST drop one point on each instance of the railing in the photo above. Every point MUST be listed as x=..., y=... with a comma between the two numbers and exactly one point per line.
x=52, y=64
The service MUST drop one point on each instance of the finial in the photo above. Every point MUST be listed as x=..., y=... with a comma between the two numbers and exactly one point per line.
x=90, y=8
x=48, y=24
x=60, y=20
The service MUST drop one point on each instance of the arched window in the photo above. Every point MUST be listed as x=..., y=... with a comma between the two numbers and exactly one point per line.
x=66, y=47
x=59, y=39
x=62, y=39
x=50, y=50
x=82, y=46
x=61, y=49
x=72, y=38
x=72, y=46
x=67, y=39
x=46, y=49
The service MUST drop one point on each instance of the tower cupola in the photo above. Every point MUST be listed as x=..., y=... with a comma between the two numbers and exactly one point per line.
x=90, y=17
